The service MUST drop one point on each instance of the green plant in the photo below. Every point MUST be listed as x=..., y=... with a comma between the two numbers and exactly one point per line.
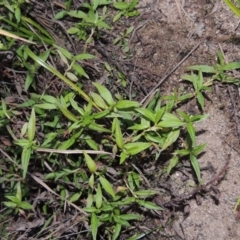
x=16, y=203
x=219, y=72
x=91, y=19
x=127, y=9
x=86, y=146
x=234, y=6
x=122, y=40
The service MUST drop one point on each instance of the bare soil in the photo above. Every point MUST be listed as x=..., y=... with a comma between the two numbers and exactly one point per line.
x=163, y=38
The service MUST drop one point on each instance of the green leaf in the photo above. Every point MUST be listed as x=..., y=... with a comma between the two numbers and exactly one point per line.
x=173, y=162
x=116, y=231
x=146, y=193
x=117, y=16
x=18, y=14
x=19, y=191
x=123, y=157
x=60, y=15
x=130, y=217
x=188, y=77
x=99, y=197
x=147, y=113
x=67, y=113
x=118, y=134
x=25, y=205
x=196, y=167
x=97, y=127
x=202, y=68
x=73, y=30
x=170, y=120
x=138, y=127
x=105, y=94
x=231, y=65
x=32, y=126
x=75, y=197
x=191, y=132
x=78, y=14
x=103, y=24
x=198, y=149
x=159, y=114
x=121, y=5
x=107, y=186
x=26, y=154
x=125, y=104
x=198, y=118
x=184, y=116
x=84, y=56
x=29, y=80
x=91, y=181
x=91, y=210
x=10, y=204
x=79, y=70
x=71, y=76
x=136, y=147
x=148, y=205
x=47, y=106
x=94, y=226
x=90, y=163
x=182, y=152
x=14, y=199
x=200, y=100
x=171, y=138
x=99, y=100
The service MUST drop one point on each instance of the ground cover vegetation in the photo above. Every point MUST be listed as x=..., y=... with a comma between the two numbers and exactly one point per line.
x=78, y=160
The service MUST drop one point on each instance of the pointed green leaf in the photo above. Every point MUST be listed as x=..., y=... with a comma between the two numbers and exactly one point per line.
x=147, y=113
x=146, y=193
x=75, y=197
x=32, y=126
x=26, y=154
x=125, y=104
x=170, y=120
x=123, y=157
x=19, y=191
x=90, y=163
x=116, y=231
x=173, y=162
x=171, y=138
x=25, y=205
x=107, y=186
x=159, y=114
x=94, y=226
x=202, y=68
x=198, y=149
x=136, y=147
x=91, y=181
x=191, y=132
x=148, y=205
x=200, y=100
x=196, y=167
x=99, y=100
x=99, y=197
x=118, y=134
x=105, y=94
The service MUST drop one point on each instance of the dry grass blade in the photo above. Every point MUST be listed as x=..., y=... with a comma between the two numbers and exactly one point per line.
x=71, y=151
x=178, y=4
x=8, y=34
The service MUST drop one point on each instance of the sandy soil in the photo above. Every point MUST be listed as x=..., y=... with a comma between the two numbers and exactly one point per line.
x=163, y=37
